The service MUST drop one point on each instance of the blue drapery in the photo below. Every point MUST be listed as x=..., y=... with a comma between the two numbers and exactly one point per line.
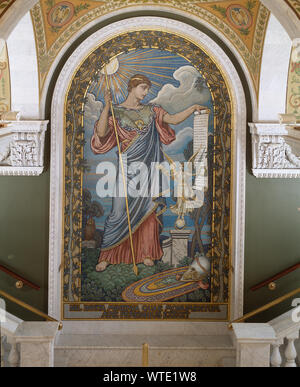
x=146, y=149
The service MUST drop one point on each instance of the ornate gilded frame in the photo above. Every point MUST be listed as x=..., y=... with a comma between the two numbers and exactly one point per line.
x=233, y=244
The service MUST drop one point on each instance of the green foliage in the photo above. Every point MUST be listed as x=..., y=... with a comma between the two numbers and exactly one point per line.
x=3, y=5
x=90, y=208
x=250, y=5
x=245, y=31
x=80, y=8
x=162, y=266
x=200, y=85
x=222, y=10
x=50, y=4
x=186, y=261
x=55, y=30
x=107, y=286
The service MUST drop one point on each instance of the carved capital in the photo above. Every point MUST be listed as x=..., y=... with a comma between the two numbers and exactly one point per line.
x=273, y=153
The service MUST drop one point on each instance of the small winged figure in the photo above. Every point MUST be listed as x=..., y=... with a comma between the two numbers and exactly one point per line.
x=187, y=197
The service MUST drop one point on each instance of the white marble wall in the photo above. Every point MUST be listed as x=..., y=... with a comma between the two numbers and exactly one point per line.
x=24, y=69
x=274, y=72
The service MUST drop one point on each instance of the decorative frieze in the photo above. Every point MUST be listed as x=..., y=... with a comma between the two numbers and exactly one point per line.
x=22, y=147
x=275, y=150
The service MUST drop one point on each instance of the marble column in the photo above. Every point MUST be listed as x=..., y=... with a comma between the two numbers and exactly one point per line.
x=180, y=239
x=36, y=340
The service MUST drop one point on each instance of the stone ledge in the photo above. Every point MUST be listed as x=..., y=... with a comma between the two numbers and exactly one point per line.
x=136, y=341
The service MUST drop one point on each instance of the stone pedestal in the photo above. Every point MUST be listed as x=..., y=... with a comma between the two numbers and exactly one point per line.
x=167, y=250
x=180, y=240
x=36, y=341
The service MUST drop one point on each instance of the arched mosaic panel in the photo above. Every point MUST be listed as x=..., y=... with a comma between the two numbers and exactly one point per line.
x=190, y=278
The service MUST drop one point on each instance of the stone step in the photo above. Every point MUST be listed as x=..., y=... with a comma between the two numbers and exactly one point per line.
x=126, y=350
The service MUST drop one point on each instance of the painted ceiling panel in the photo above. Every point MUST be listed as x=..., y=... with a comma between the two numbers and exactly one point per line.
x=242, y=22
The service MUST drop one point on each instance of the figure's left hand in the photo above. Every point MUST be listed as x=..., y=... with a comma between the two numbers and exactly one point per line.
x=199, y=108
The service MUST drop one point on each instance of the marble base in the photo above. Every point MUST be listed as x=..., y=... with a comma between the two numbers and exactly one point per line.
x=164, y=351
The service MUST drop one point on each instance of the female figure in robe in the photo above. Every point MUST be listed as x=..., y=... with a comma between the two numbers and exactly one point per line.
x=141, y=129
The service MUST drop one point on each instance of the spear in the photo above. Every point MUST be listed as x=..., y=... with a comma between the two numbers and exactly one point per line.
x=135, y=269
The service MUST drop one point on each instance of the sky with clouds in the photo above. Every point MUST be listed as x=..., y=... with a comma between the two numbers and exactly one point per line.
x=176, y=99
x=173, y=97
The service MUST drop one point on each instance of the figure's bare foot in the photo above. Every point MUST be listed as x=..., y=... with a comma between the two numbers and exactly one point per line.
x=102, y=266
x=148, y=262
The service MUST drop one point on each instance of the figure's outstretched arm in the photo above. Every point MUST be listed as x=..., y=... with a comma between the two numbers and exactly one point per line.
x=175, y=119
x=102, y=127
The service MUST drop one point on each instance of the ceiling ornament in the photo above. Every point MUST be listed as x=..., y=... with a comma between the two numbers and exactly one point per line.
x=243, y=24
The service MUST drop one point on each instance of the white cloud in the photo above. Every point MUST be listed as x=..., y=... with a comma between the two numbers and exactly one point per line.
x=182, y=139
x=92, y=109
x=175, y=99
